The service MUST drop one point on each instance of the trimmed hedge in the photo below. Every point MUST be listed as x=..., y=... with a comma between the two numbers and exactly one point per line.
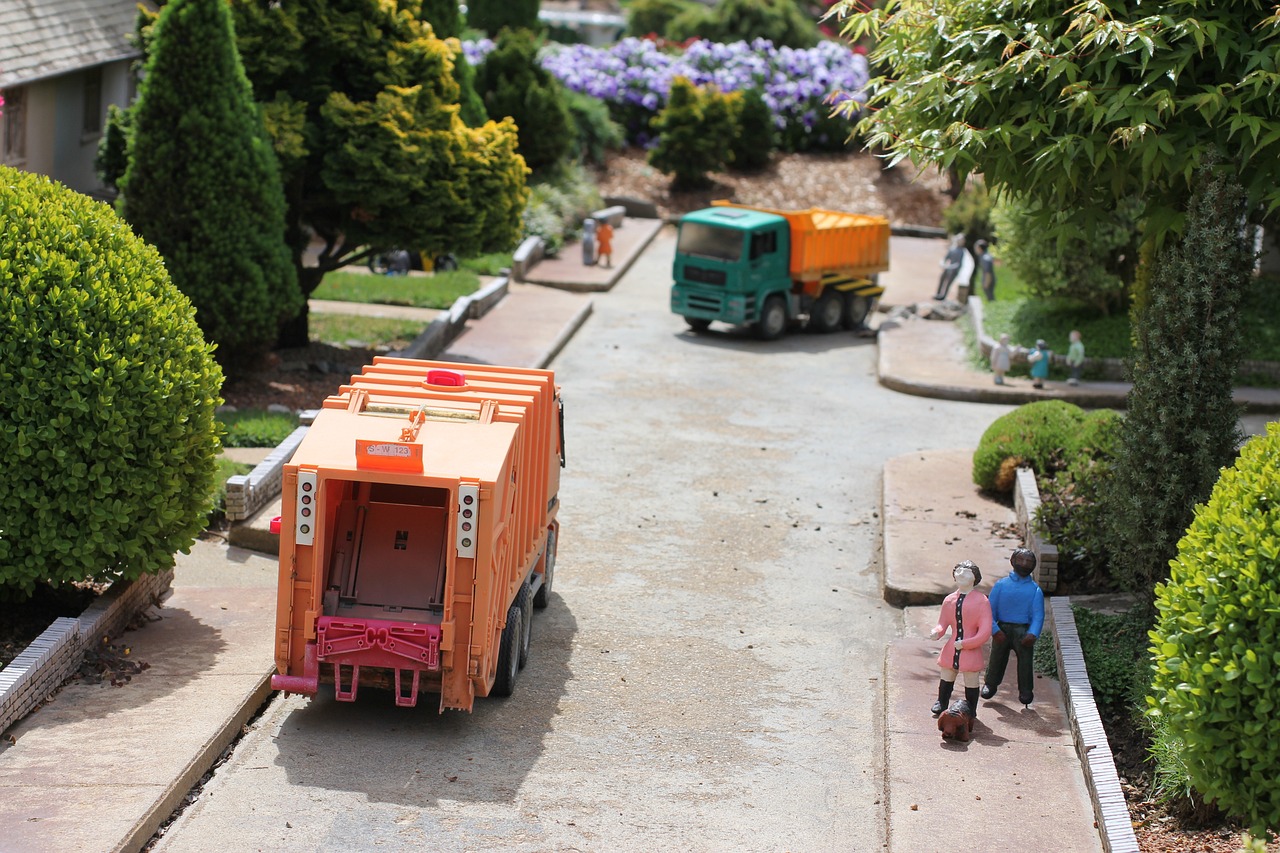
x=108, y=444
x=1044, y=436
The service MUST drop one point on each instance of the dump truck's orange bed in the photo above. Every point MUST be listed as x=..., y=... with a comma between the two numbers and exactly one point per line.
x=827, y=242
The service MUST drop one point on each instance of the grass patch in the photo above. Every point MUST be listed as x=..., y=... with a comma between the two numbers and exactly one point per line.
x=256, y=428
x=227, y=468
x=493, y=263
x=1260, y=320
x=1115, y=653
x=439, y=290
x=369, y=332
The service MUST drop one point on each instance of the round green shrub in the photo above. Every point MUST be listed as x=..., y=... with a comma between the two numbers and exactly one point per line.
x=108, y=444
x=1216, y=641
x=652, y=17
x=514, y=84
x=1041, y=435
x=756, y=135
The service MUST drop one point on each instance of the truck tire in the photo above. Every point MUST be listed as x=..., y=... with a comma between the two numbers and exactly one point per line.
x=509, y=653
x=525, y=600
x=827, y=312
x=856, y=309
x=543, y=597
x=697, y=323
x=773, y=319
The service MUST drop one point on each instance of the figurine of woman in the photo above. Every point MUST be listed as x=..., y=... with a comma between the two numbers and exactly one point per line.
x=1039, y=359
x=1000, y=358
x=967, y=614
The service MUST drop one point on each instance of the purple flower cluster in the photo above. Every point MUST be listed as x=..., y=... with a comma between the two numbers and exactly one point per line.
x=633, y=74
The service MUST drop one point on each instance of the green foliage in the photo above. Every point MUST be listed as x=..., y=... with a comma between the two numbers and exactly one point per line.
x=107, y=441
x=355, y=330
x=1260, y=319
x=970, y=214
x=1182, y=425
x=594, y=131
x=652, y=17
x=1043, y=436
x=493, y=263
x=689, y=131
x=362, y=104
x=226, y=469
x=470, y=105
x=779, y=21
x=255, y=427
x=494, y=16
x=1072, y=513
x=516, y=85
x=558, y=206
x=439, y=290
x=1096, y=270
x=755, y=135
x=444, y=17
x=1028, y=318
x=112, y=157
x=1216, y=642
x=1077, y=106
x=202, y=184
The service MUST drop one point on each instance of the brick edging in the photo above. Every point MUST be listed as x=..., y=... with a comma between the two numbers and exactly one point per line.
x=1109, y=806
x=43, y=666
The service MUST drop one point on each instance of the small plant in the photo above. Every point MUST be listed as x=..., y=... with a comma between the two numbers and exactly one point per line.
x=652, y=17
x=1216, y=641
x=687, y=149
x=558, y=205
x=755, y=136
x=970, y=214
x=513, y=83
x=227, y=468
x=595, y=132
x=1040, y=435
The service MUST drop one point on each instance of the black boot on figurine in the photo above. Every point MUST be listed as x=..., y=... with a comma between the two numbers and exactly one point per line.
x=944, y=696
x=971, y=694
x=988, y=691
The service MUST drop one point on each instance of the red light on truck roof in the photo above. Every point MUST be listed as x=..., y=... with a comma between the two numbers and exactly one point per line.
x=445, y=378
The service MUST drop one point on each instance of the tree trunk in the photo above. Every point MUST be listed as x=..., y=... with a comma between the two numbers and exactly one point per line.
x=295, y=333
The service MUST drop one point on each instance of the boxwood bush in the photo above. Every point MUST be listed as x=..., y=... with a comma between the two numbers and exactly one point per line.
x=1216, y=641
x=107, y=393
x=1044, y=436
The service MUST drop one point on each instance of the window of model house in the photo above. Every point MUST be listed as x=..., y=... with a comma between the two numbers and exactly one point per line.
x=92, y=123
x=15, y=124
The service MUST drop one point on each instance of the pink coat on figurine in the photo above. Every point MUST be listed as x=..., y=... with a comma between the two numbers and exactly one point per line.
x=975, y=616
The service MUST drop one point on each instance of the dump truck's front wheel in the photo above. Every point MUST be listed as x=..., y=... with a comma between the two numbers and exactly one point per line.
x=698, y=324
x=773, y=319
x=827, y=312
x=509, y=653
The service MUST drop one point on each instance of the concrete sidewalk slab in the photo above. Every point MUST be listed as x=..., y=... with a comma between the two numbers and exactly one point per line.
x=1017, y=784
x=526, y=329
x=566, y=270
x=99, y=768
x=933, y=517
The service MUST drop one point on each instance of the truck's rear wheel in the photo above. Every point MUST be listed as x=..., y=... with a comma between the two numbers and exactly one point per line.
x=525, y=600
x=773, y=319
x=856, y=309
x=697, y=323
x=827, y=312
x=543, y=596
x=509, y=653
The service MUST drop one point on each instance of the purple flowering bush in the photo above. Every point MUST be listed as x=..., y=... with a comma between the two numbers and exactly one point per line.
x=634, y=78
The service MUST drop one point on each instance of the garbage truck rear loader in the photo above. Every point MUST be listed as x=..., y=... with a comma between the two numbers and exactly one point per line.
x=418, y=532
x=754, y=265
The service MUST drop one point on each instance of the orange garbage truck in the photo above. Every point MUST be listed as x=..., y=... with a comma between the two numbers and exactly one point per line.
x=418, y=532
x=757, y=266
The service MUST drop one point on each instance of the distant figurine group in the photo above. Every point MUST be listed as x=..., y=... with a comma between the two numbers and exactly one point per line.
x=1011, y=618
x=1038, y=357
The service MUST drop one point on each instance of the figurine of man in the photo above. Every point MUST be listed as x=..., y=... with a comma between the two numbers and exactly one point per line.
x=1075, y=357
x=953, y=263
x=986, y=270
x=1000, y=358
x=1017, y=607
x=967, y=613
x=1039, y=359
x=604, y=237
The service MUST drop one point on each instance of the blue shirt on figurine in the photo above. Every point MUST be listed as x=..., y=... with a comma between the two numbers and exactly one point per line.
x=1019, y=600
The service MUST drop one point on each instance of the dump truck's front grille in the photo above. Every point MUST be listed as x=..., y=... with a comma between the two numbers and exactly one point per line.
x=703, y=275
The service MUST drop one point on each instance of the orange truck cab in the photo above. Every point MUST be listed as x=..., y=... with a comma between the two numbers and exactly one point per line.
x=418, y=532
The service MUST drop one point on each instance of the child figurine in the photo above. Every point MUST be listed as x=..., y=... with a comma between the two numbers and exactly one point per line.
x=1017, y=606
x=968, y=614
x=1075, y=357
x=1000, y=358
x=1039, y=358
x=604, y=237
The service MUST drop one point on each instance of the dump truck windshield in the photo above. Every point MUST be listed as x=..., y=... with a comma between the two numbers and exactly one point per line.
x=708, y=241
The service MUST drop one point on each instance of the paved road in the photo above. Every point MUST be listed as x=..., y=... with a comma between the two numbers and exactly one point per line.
x=709, y=675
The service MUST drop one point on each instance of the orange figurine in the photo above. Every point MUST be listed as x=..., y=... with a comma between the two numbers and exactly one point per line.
x=604, y=238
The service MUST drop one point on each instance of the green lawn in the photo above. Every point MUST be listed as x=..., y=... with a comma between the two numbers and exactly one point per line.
x=369, y=332
x=440, y=290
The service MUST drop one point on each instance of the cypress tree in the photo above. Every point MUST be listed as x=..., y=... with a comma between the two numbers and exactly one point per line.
x=756, y=136
x=685, y=150
x=515, y=84
x=1182, y=426
x=494, y=16
x=203, y=185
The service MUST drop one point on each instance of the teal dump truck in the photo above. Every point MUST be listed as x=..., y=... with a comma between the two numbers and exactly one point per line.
x=772, y=268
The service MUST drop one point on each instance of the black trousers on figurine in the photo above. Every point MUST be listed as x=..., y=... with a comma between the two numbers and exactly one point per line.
x=1013, y=634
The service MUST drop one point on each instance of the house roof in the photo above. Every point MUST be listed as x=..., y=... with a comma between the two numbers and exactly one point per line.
x=46, y=38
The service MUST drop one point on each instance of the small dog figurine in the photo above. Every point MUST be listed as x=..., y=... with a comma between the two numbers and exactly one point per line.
x=957, y=721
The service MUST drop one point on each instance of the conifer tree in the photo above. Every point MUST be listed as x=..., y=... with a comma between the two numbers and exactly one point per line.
x=202, y=184
x=494, y=16
x=685, y=149
x=1182, y=426
x=755, y=136
x=514, y=84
